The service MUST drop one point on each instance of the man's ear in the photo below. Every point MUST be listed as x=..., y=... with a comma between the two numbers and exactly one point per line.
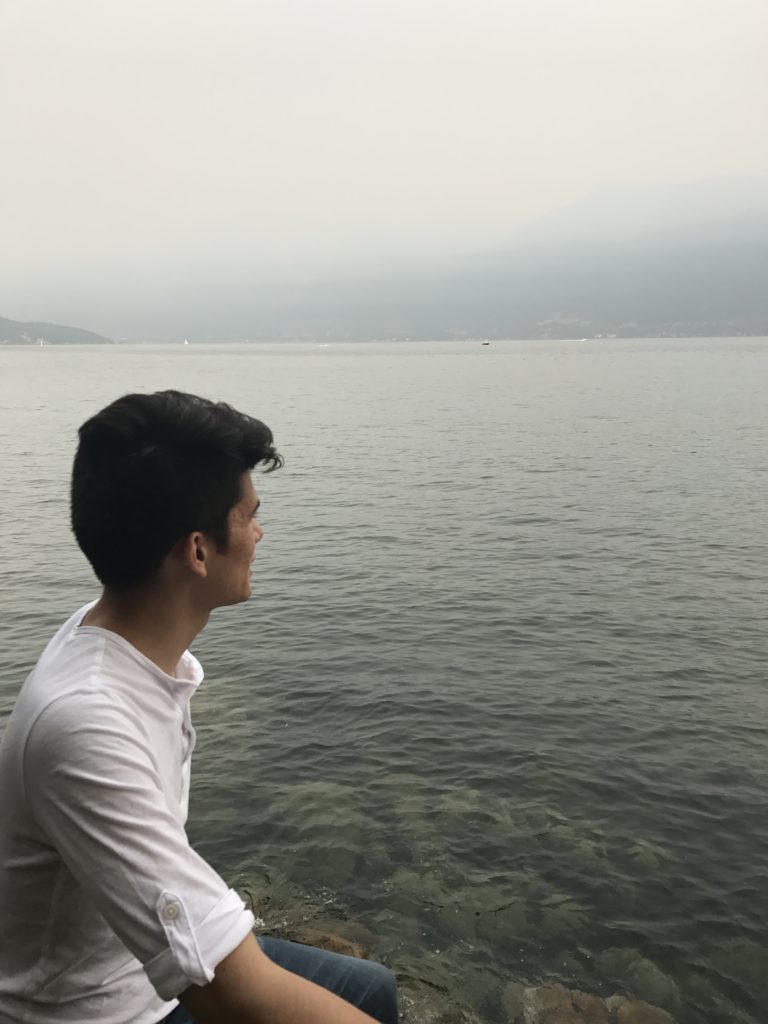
x=194, y=550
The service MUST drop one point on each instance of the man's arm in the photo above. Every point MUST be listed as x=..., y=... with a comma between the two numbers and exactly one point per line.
x=248, y=988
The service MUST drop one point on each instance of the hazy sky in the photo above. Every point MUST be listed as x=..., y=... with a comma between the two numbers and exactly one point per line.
x=217, y=135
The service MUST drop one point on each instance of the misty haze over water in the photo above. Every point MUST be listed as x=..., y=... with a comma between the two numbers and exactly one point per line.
x=685, y=261
x=420, y=169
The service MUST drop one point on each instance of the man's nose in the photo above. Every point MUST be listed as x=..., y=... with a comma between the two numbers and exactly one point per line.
x=259, y=531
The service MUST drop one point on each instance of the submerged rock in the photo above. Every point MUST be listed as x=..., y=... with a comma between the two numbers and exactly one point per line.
x=512, y=1000
x=561, y=919
x=321, y=939
x=426, y=985
x=639, y=975
x=437, y=988
x=491, y=912
x=558, y=1005
x=584, y=846
x=322, y=830
x=430, y=1007
x=633, y=1011
x=648, y=856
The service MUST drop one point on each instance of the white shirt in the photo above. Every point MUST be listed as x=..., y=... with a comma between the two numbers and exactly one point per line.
x=106, y=912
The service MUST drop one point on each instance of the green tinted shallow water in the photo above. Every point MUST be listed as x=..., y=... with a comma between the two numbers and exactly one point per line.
x=500, y=695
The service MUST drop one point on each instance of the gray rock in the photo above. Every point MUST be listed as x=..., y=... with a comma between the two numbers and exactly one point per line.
x=640, y=976
x=321, y=939
x=633, y=1011
x=558, y=1005
x=512, y=1001
x=424, y=1007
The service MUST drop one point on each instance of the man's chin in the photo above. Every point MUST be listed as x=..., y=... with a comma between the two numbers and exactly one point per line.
x=240, y=598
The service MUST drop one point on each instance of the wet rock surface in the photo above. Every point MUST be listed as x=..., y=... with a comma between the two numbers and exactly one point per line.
x=426, y=980
x=323, y=939
x=553, y=1004
x=558, y=1005
x=543, y=1005
x=633, y=1011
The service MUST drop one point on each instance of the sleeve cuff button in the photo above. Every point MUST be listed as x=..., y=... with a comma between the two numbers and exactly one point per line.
x=171, y=911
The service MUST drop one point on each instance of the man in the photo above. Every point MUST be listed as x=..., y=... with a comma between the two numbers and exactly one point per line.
x=106, y=913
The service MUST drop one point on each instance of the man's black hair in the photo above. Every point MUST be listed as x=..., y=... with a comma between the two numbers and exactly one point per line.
x=151, y=469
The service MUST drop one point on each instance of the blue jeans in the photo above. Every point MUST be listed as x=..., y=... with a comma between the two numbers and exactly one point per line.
x=368, y=986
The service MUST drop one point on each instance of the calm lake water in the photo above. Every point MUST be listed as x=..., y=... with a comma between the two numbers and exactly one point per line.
x=500, y=695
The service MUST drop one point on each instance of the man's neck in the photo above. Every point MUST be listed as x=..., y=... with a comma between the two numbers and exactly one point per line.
x=158, y=624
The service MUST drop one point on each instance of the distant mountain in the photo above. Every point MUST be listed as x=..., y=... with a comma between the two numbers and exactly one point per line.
x=15, y=332
x=686, y=260
x=690, y=261
x=682, y=261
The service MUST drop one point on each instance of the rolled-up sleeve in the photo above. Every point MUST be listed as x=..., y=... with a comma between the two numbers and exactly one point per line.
x=94, y=789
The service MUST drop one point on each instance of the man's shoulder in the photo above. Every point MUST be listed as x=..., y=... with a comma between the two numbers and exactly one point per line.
x=78, y=685
x=72, y=664
x=59, y=721
x=67, y=628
